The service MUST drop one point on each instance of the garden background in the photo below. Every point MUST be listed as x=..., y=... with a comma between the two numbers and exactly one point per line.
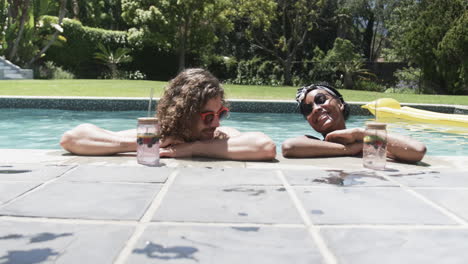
x=405, y=46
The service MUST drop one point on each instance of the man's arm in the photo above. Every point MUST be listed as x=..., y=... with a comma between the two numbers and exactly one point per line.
x=228, y=144
x=399, y=147
x=88, y=139
x=305, y=147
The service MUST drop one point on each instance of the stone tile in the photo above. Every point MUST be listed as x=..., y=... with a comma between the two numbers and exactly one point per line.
x=343, y=163
x=454, y=200
x=31, y=172
x=208, y=244
x=198, y=162
x=85, y=200
x=431, y=178
x=227, y=204
x=367, y=206
x=12, y=190
x=361, y=178
x=33, y=242
x=446, y=162
x=227, y=176
x=34, y=156
x=416, y=246
x=123, y=159
x=91, y=173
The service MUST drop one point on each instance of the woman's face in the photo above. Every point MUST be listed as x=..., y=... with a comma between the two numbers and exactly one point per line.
x=327, y=112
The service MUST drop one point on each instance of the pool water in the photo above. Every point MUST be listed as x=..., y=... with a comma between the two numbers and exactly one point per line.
x=41, y=129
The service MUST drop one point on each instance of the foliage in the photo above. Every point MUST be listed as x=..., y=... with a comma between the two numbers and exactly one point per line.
x=401, y=90
x=408, y=79
x=433, y=36
x=279, y=28
x=83, y=42
x=3, y=23
x=318, y=69
x=134, y=75
x=257, y=72
x=51, y=71
x=347, y=62
x=180, y=26
x=112, y=59
x=104, y=14
x=364, y=22
x=369, y=86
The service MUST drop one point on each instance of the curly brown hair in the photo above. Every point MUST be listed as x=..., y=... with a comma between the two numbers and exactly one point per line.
x=183, y=100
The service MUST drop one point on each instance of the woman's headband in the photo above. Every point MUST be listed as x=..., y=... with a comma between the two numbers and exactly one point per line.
x=302, y=92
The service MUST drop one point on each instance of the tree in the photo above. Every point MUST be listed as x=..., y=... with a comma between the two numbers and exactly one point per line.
x=433, y=36
x=346, y=61
x=279, y=28
x=364, y=23
x=19, y=12
x=180, y=26
x=58, y=30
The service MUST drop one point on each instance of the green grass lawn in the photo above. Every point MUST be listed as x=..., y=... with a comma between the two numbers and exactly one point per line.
x=128, y=88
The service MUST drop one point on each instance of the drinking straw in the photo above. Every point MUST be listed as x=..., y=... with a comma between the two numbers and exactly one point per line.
x=150, y=100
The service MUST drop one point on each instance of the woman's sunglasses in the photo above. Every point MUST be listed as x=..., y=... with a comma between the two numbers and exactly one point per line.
x=208, y=117
x=319, y=99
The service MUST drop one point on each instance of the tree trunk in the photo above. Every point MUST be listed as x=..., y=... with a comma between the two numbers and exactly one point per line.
x=24, y=16
x=348, y=81
x=368, y=37
x=287, y=71
x=183, y=45
x=62, y=11
x=76, y=10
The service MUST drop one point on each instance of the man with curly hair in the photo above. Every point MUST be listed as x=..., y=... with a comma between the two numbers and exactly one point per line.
x=189, y=115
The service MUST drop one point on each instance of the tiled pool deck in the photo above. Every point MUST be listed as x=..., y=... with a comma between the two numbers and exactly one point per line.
x=60, y=208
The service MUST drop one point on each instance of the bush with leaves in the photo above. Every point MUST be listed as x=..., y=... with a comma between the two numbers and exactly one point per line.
x=408, y=78
x=258, y=72
x=77, y=53
x=112, y=58
x=51, y=71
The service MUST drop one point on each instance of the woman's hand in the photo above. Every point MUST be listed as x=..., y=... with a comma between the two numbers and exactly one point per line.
x=345, y=136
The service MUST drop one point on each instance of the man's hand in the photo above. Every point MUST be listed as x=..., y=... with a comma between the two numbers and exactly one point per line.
x=181, y=150
x=345, y=136
x=170, y=141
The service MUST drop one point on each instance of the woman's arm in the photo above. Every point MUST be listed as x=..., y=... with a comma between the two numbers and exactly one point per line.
x=305, y=147
x=229, y=143
x=88, y=139
x=399, y=147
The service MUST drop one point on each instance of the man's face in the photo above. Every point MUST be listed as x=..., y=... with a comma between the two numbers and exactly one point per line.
x=204, y=129
x=327, y=111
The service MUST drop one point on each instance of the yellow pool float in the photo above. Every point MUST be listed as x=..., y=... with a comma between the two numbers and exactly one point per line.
x=390, y=108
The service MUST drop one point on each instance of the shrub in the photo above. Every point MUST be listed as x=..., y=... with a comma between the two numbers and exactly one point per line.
x=400, y=90
x=408, y=78
x=51, y=71
x=257, y=72
x=369, y=86
x=77, y=52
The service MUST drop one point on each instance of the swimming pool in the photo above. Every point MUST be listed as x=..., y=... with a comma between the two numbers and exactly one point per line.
x=41, y=128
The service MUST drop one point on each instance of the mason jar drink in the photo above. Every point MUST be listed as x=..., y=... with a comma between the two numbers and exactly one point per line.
x=374, y=153
x=148, y=141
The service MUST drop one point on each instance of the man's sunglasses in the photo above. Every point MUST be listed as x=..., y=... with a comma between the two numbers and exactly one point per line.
x=319, y=99
x=208, y=117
